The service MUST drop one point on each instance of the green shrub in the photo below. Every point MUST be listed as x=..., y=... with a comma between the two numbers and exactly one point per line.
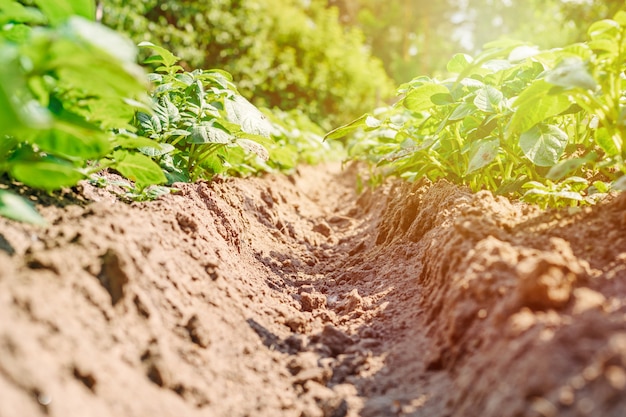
x=280, y=53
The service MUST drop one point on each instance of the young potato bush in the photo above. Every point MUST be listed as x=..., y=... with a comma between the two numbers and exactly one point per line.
x=280, y=53
x=65, y=83
x=545, y=125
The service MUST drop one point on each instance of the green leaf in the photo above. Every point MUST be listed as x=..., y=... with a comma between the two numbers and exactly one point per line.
x=138, y=168
x=57, y=11
x=535, y=105
x=606, y=29
x=488, y=99
x=209, y=132
x=459, y=63
x=156, y=149
x=420, y=98
x=611, y=144
x=483, y=153
x=18, y=208
x=543, y=144
x=14, y=12
x=571, y=73
x=565, y=168
x=253, y=147
x=163, y=56
x=345, y=130
x=245, y=114
x=74, y=142
x=462, y=111
x=103, y=38
x=46, y=174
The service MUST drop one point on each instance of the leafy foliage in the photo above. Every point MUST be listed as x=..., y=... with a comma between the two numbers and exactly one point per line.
x=281, y=53
x=514, y=118
x=204, y=125
x=65, y=83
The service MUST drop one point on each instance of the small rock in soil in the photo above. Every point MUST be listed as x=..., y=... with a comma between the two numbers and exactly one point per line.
x=312, y=302
x=323, y=229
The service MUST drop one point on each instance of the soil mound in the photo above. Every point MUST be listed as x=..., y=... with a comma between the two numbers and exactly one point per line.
x=293, y=296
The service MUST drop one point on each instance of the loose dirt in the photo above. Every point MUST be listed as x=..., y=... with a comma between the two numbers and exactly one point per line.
x=292, y=296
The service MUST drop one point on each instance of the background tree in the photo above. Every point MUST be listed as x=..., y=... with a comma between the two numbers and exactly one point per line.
x=282, y=53
x=419, y=36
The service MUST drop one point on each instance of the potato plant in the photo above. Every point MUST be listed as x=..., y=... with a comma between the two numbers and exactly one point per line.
x=544, y=125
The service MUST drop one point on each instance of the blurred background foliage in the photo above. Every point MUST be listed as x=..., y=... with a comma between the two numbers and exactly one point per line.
x=282, y=53
x=334, y=59
x=417, y=37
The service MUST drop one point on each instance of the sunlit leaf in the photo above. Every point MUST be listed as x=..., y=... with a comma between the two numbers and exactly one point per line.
x=535, y=105
x=611, y=144
x=209, y=133
x=482, y=154
x=488, y=99
x=543, y=144
x=46, y=174
x=254, y=147
x=345, y=130
x=565, y=168
x=163, y=55
x=57, y=11
x=419, y=99
x=459, y=62
x=570, y=73
x=242, y=112
x=18, y=208
x=138, y=168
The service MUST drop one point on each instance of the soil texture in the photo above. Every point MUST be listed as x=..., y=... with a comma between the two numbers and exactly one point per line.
x=294, y=296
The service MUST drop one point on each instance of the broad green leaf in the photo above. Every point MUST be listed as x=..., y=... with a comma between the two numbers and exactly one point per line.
x=57, y=11
x=488, y=99
x=163, y=56
x=242, y=112
x=606, y=28
x=462, y=111
x=419, y=99
x=570, y=73
x=459, y=62
x=601, y=186
x=535, y=105
x=611, y=144
x=208, y=133
x=131, y=141
x=104, y=38
x=14, y=12
x=522, y=53
x=253, y=147
x=156, y=149
x=74, y=142
x=18, y=208
x=345, y=130
x=606, y=45
x=482, y=154
x=565, y=168
x=47, y=175
x=543, y=144
x=138, y=168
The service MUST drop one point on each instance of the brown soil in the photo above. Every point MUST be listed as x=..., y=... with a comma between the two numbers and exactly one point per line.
x=291, y=296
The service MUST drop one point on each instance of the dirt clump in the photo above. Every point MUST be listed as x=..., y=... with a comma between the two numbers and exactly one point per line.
x=293, y=296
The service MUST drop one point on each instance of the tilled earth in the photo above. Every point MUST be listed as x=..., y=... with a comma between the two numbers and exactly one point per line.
x=292, y=296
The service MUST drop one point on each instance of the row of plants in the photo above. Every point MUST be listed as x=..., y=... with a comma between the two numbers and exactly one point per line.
x=544, y=125
x=73, y=101
x=290, y=54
